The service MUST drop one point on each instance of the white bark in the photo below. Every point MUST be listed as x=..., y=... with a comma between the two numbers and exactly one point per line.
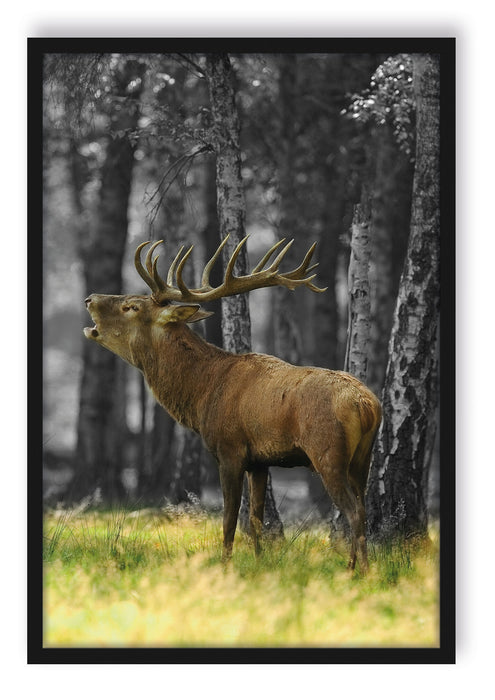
x=358, y=332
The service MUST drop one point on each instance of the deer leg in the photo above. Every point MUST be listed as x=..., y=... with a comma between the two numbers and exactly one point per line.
x=360, y=466
x=257, y=489
x=231, y=480
x=358, y=476
x=335, y=480
x=353, y=508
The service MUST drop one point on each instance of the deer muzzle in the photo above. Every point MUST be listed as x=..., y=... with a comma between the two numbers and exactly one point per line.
x=90, y=332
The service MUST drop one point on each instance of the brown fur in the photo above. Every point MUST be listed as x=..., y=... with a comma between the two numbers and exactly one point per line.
x=252, y=411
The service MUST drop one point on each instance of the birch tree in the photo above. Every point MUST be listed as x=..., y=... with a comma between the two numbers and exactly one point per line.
x=397, y=489
x=358, y=333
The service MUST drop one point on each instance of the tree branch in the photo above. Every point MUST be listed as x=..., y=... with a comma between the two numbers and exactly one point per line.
x=192, y=64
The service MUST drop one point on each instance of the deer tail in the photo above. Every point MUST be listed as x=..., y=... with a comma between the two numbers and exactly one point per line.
x=369, y=413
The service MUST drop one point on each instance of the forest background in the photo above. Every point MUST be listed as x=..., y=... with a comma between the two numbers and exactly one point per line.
x=327, y=148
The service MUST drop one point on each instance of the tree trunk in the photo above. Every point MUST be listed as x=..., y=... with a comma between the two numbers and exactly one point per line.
x=162, y=470
x=289, y=320
x=397, y=489
x=186, y=485
x=174, y=468
x=326, y=325
x=213, y=325
x=358, y=333
x=391, y=218
x=236, y=324
x=100, y=428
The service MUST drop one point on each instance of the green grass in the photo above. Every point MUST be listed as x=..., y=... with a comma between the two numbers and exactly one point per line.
x=151, y=578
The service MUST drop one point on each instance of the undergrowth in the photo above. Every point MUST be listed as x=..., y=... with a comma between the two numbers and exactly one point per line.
x=156, y=578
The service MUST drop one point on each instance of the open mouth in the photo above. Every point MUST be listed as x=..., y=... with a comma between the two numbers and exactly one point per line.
x=91, y=332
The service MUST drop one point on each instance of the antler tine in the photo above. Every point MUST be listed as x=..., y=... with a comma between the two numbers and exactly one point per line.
x=151, y=265
x=298, y=273
x=267, y=256
x=171, y=269
x=274, y=266
x=205, y=278
x=146, y=276
x=186, y=292
x=303, y=267
x=149, y=254
x=313, y=287
x=161, y=284
x=233, y=258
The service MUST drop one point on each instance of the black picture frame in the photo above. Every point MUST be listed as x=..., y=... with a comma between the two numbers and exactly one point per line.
x=445, y=654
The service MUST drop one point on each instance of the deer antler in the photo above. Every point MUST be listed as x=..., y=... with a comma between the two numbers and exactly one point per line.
x=163, y=291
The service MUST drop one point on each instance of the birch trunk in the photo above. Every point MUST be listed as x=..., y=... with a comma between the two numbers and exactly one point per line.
x=391, y=218
x=397, y=489
x=358, y=333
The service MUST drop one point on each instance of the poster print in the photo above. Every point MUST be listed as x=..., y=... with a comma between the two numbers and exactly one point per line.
x=288, y=500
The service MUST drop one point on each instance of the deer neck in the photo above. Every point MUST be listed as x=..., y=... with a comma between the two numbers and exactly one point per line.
x=182, y=372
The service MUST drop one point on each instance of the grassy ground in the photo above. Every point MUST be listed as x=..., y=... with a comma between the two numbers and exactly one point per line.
x=156, y=579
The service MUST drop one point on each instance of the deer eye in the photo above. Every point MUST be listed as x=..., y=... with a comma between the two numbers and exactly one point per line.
x=130, y=307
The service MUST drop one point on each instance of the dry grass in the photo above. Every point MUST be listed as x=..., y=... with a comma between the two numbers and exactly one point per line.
x=156, y=579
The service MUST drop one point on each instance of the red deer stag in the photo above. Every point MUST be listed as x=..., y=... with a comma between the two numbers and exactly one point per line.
x=252, y=410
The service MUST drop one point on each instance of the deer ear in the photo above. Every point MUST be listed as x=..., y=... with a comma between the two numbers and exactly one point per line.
x=199, y=316
x=187, y=313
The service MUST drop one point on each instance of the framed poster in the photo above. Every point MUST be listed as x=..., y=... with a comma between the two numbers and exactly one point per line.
x=331, y=395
